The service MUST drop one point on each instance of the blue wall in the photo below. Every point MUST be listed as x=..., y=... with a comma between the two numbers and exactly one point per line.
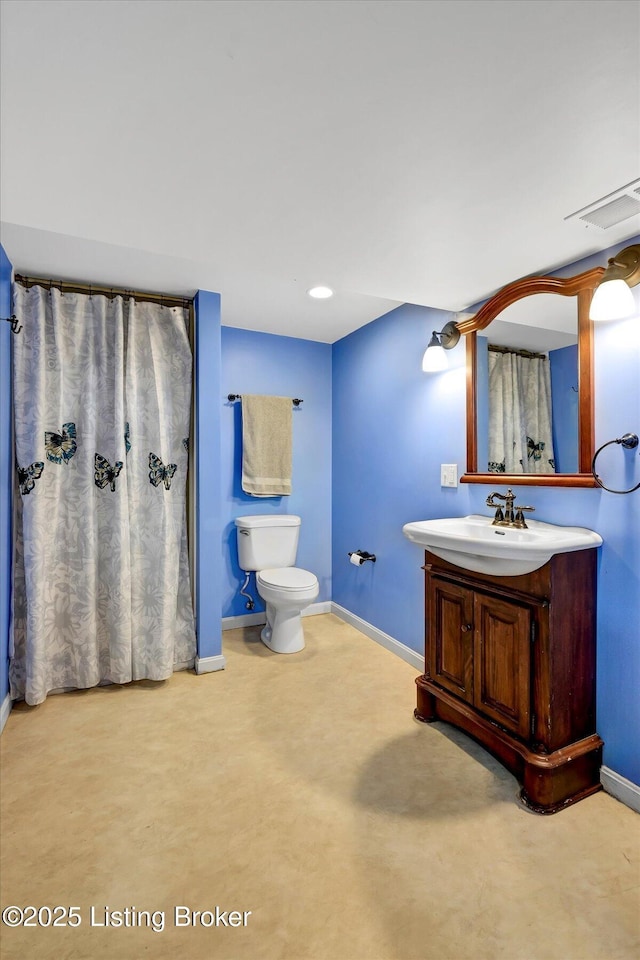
x=284, y=366
x=392, y=428
x=6, y=472
x=563, y=366
x=207, y=391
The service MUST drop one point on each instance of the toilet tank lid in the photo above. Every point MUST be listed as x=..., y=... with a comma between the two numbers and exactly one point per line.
x=268, y=520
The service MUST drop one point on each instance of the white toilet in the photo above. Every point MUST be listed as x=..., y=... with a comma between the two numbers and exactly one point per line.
x=268, y=545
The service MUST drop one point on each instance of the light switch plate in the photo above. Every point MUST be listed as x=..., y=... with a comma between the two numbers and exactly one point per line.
x=448, y=474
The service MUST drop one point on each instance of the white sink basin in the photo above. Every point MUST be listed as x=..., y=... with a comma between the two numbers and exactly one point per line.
x=473, y=542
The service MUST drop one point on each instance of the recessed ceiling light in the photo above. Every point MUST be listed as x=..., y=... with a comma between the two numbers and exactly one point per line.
x=320, y=293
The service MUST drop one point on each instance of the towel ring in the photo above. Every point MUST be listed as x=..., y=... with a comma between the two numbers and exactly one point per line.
x=629, y=441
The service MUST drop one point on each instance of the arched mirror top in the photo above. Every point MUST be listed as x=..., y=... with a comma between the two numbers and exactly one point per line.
x=559, y=455
x=527, y=287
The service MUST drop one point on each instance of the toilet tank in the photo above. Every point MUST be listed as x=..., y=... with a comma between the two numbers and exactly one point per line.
x=267, y=541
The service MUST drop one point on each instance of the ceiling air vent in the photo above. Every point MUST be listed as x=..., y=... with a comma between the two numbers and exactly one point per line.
x=612, y=209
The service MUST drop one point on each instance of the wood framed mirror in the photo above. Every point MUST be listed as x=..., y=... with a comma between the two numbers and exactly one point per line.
x=545, y=319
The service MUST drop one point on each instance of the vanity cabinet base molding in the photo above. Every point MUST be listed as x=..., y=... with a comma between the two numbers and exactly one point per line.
x=511, y=661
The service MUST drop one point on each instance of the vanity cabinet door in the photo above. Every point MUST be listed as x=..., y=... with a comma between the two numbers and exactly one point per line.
x=479, y=647
x=450, y=636
x=502, y=662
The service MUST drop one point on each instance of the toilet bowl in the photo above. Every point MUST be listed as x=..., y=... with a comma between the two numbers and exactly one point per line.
x=286, y=592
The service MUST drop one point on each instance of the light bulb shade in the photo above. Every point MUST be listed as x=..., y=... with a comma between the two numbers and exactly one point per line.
x=434, y=359
x=612, y=300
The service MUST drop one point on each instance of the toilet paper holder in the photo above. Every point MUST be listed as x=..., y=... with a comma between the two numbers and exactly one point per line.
x=360, y=556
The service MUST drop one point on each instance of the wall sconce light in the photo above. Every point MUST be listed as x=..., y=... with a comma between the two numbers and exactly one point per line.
x=613, y=299
x=434, y=358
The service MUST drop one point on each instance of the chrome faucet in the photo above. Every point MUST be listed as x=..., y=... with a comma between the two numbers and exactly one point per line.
x=513, y=515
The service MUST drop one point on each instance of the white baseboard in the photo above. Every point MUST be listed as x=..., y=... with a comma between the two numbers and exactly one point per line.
x=244, y=620
x=620, y=788
x=325, y=606
x=253, y=619
x=5, y=710
x=210, y=664
x=389, y=643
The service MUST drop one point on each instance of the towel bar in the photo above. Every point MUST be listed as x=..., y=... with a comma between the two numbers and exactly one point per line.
x=238, y=396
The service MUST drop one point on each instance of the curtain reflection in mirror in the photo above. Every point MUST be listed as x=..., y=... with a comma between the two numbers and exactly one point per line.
x=520, y=415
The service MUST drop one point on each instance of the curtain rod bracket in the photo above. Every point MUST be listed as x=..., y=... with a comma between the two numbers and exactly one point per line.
x=13, y=320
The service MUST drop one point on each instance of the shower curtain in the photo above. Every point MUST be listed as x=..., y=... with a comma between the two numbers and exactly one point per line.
x=102, y=395
x=520, y=436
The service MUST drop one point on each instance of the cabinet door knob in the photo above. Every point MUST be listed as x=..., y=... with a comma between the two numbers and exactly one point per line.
x=466, y=627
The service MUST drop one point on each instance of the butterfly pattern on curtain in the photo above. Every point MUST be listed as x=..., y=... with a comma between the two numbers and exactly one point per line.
x=159, y=473
x=106, y=475
x=61, y=447
x=101, y=575
x=535, y=452
x=27, y=476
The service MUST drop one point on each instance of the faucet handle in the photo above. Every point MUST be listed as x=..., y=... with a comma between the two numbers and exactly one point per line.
x=519, y=518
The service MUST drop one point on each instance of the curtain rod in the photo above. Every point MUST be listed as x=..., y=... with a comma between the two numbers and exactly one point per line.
x=518, y=353
x=68, y=286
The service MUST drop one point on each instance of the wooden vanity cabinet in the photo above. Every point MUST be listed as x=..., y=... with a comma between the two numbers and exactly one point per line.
x=511, y=661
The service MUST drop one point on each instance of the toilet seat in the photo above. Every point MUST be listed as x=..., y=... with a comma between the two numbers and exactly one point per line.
x=287, y=578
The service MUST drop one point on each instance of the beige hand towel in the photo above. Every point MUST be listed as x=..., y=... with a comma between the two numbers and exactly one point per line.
x=266, y=445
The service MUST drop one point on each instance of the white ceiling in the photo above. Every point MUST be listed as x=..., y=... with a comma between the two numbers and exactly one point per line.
x=423, y=152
